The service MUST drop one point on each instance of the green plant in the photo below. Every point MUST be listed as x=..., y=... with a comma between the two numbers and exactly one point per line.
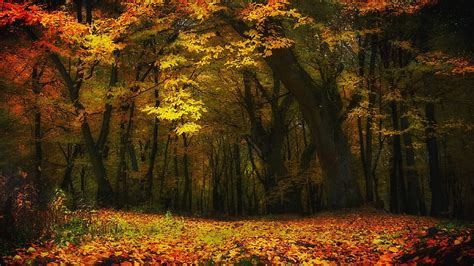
x=71, y=231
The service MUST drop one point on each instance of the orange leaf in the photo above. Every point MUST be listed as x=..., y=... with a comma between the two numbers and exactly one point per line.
x=458, y=240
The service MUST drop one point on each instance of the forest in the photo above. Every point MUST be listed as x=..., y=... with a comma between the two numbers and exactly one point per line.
x=246, y=132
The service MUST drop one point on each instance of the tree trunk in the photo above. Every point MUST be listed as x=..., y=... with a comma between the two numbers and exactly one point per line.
x=238, y=178
x=438, y=198
x=153, y=152
x=282, y=194
x=78, y=6
x=414, y=196
x=230, y=174
x=83, y=181
x=70, y=158
x=104, y=191
x=133, y=155
x=165, y=165
x=321, y=116
x=360, y=134
x=121, y=166
x=124, y=146
x=398, y=201
x=368, y=129
x=89, y=11
x=365, y=143
x=176, y=191
x=37, y=135
x=107, y=116
x=187, y=195
x=216, y=166
x=305, y=160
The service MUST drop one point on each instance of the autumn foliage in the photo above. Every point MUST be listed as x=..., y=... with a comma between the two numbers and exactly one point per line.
x=362, y=236
x=124, y=123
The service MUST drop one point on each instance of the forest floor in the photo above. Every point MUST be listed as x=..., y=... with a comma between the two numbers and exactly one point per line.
x=361, y=236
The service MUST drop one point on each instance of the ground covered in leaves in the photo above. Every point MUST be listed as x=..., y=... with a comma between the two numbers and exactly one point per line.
x=109, y=237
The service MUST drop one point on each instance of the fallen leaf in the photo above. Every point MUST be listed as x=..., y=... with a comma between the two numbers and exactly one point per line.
x=393, y=249
x=458, y=240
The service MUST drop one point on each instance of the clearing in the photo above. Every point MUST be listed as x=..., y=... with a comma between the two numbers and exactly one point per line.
x=362, y=236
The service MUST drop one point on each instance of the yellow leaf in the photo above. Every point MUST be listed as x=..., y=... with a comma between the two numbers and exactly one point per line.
x=31, y=250
x=393, y=249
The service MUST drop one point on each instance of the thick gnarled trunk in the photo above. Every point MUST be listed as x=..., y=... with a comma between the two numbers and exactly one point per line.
x=326, y=132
